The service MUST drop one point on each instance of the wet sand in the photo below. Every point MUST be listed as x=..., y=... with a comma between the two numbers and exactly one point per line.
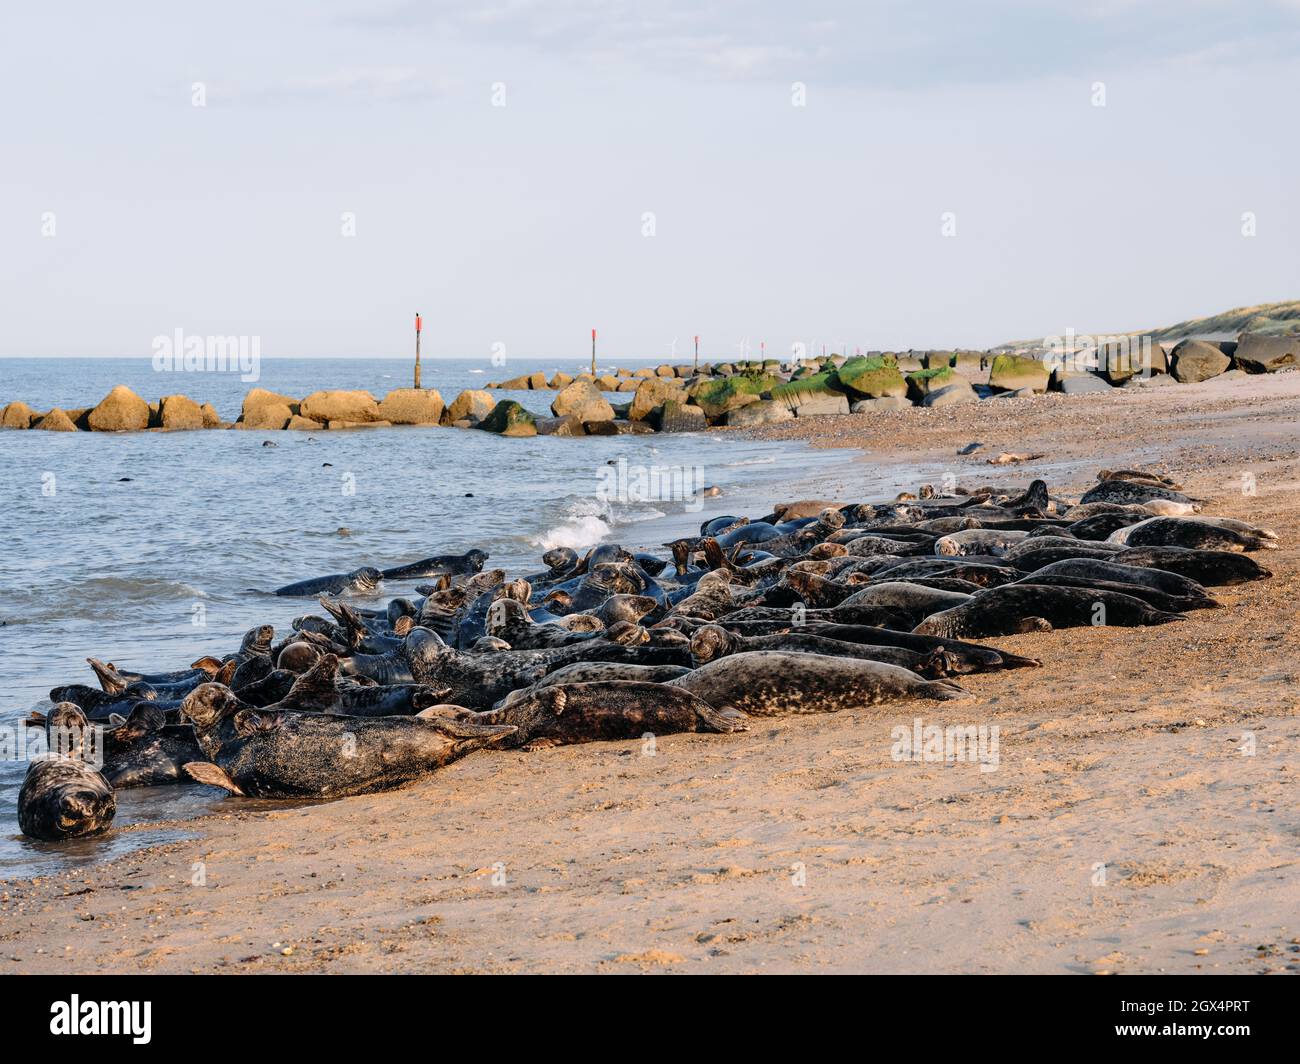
x=1141, y=817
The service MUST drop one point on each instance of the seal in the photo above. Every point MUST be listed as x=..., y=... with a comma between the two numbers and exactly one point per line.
x=302, y=755
x=360, y=581
x=713, y=642
x=971, y=657
x=317, y=691
x=466, y=564
x=599, y=671
x=1015, y=608
x=1095, y=569
x=993, y=541
x=1146, y=493
x=63, y=796
x=1194, y=534
x=604, y=711
x=145, y=751
x=1212, y=568
x=768, y=683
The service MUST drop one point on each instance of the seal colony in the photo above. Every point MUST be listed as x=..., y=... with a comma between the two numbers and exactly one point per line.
x=809, y=609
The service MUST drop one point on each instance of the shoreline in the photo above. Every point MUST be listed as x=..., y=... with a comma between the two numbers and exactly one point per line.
x=682, y=862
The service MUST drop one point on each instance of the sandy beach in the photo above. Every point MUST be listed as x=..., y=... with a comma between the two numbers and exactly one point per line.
x=1140, y=816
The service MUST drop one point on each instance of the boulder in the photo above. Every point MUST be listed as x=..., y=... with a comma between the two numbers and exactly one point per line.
x=472, y=404
x=515, y=384
x=279, y=408
x=886, y=402
x=211, y=419
x=298, y=423
x=343, y=424
x=1194, y=361
x=560, y=380
x=537, y=381
x=55, y=421
x=1266, y=354
x=560, y=426
x=412, y=406
x=872, y=378
x=764, y=412
x=952, y=395
x=584, y=401
x=652, y=394
x=179, y=412
x=1010, y=373
x=815, y=394
x=508, y=418
x=665, y=371
x=921, y=383
x=677, y=416
x=17, y=416
x=816, y=404
x=357, y=406
x=644, y=371
x=718, y=397
x=1083, y=384
x=607, y=383
x=121, y=410
x=684, y=372
x=629, y=384
x=617, y=428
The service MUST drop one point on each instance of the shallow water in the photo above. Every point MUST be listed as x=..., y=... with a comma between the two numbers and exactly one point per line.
x=145, y=548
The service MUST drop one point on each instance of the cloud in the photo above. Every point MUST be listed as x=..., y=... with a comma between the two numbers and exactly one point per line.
x=893, y=44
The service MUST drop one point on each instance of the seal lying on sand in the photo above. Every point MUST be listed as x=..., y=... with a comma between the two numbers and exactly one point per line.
x=1015, y=608
x=362, y=580
x=1213, y=568
x=1195, y=534
x=598, y=672
x=768, y=683
x=62, y=796
x=713, y=642
x=299, y=755
x=618, y=709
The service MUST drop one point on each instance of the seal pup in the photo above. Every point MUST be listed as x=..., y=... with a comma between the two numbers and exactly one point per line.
x=306, y=755
x=440, y=565
x=603, y=711
x=62, y=795
x=360, y=581
x=1015, y=608
x=768, y=683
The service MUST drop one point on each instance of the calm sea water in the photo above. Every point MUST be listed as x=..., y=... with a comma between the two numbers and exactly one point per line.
x=142, y=548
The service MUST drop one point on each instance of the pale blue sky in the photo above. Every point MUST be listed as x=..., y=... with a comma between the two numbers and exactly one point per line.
x=523, y=224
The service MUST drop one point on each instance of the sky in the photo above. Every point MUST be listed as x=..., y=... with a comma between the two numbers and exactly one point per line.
x=884, y=175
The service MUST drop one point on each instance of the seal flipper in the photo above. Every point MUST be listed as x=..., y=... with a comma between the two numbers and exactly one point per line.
x=314, y=689
x=945, y=691
x=212, y=775
x=728, y=719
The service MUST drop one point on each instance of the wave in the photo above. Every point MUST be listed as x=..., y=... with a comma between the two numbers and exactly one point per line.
x=770, y=460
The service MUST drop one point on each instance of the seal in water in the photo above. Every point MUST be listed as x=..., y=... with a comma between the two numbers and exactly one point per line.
x=768, y=683
x=145, y=751
x=606, y=710
x=440, y=565
x=303, y=755
x=1015, y=608
x=63, y=796
x=362, y=580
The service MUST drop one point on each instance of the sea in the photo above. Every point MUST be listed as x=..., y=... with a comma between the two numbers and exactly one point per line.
x=152, y=549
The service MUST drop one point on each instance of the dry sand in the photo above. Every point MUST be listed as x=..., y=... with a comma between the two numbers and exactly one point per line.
x=1127, y=827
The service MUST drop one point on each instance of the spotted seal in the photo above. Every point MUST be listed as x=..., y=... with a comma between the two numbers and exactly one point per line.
x=1015, y=608
x=606, y=710
x=359, y=581
x=306, y=755
x=768, y=683
x=63, y=796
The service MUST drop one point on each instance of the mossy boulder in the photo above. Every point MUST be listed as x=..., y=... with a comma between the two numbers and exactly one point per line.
x=1010, y=373
x=871, y=378
x=922, y=382
x=508, y=418
x=717, y=397
x=764, y=412
x=651, y=394
x=121, y=410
